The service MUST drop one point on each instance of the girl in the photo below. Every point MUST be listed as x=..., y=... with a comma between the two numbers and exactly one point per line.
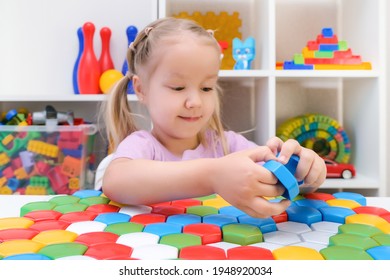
x=173, y=65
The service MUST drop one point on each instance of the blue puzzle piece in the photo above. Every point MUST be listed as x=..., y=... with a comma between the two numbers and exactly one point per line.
x=162, y=229
x=352, y=196
x=87, y=193
x=285, y=175
x=313, y=203
x=231, y=211
x=303, y=214
x=27, y=257
x=184, y=219
x=335, y=214
x=219, y=219
x=266, y=225
x=112, y=218
x=379, y=252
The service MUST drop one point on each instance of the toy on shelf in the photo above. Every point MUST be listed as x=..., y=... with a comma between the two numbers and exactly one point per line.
x=339, y=170
x=88, y=72
x=325, y=53
x=92, y=75
x=108, y=79
x=326, y=137
x=243, y=53
x=223, y=45
x=131, y=33
x=45, y=159
x=105, y=60
x=226, y=27
x=13, y=117
x=76, y=64
x=87, y=225
x=50, y=116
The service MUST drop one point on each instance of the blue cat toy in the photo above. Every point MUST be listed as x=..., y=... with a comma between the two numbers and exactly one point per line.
x=244, y=53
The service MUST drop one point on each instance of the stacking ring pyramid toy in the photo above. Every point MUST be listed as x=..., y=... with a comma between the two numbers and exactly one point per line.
x=318, y=132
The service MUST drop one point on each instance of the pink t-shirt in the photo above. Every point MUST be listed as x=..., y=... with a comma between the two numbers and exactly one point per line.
x=143, y=145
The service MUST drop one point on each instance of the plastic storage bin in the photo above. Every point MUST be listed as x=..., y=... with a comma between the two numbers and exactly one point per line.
x=37, y=160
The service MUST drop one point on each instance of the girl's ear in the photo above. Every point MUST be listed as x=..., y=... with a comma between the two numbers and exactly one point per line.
x=138, y=89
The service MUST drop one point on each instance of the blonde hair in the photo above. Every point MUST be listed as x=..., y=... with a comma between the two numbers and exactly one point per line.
x=119, y=119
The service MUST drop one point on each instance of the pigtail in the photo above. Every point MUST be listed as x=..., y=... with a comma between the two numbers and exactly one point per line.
x=119, y=121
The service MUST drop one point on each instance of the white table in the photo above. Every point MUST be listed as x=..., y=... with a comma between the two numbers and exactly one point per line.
x=10, y=204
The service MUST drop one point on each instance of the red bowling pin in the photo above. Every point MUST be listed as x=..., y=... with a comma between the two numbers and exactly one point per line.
x=88, y=74
x=105, y=60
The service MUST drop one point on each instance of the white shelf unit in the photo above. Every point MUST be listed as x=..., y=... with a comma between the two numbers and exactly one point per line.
x=41, y=47
x=259, y=100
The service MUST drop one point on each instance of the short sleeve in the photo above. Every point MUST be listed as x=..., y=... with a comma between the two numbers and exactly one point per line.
x=135, y=146
x=237, y=142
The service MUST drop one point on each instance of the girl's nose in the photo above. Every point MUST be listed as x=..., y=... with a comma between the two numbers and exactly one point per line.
x=193, y=99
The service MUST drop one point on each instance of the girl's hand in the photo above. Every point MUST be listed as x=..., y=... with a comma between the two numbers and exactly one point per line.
x=311, y=167
x=244, y=183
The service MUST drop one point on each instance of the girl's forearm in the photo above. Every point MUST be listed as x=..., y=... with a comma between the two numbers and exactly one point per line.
x=146, y=181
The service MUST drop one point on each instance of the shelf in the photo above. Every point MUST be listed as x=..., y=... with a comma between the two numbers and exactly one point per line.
x=63, y=98
x=243, y=73
x=358, y=182
x=326, y=73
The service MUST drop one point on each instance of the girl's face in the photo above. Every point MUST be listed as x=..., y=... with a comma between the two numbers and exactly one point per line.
x=181, y=92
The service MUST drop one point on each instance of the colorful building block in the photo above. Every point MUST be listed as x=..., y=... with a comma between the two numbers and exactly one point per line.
x=327, y=52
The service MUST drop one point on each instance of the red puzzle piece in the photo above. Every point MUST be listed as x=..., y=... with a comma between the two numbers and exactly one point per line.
x=249, y=253
x=108, y=250
x=202, y=252
x=208, y=233
x=94, y=238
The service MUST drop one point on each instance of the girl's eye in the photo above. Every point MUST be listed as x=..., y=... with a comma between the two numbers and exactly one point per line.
x=178, y=88
x=207, y=89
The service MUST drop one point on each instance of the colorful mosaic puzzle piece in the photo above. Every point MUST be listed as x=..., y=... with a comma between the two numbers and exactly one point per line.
x=181, y=240
x=296, y=253
x=344, y=253
x=249, y=253
x=207, y=232
x=241, y=234
x=15, y=222
x=380, y=253
x=202, y=252
x=222, y=233
x=285, y=174
x=66, y=249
